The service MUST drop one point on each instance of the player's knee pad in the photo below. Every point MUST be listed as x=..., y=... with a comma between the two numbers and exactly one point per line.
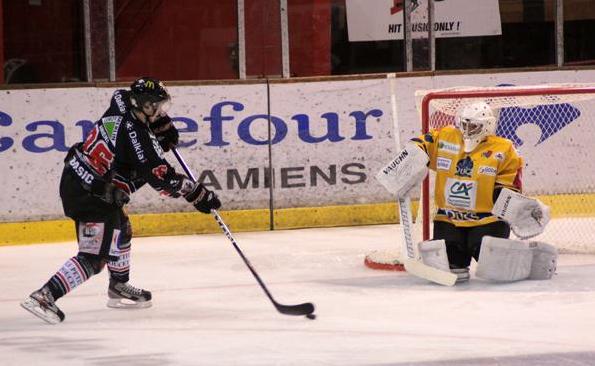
x=504, y=260
x=545, y=260
x=433, y=254
x=93, y=263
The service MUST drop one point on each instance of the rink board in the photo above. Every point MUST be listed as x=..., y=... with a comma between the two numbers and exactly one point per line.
x=328, y=139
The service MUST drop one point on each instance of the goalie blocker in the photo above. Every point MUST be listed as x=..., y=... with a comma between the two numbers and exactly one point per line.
x=405, y=171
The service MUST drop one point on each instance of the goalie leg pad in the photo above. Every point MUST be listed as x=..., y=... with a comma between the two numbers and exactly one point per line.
x=433, y=254
x=545, y=260
x=504, y=260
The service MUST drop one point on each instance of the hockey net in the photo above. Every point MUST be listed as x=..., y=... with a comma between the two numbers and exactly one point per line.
x=552, y=128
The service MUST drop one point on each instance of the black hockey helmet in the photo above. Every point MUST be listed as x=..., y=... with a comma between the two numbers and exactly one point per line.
x=147, y=89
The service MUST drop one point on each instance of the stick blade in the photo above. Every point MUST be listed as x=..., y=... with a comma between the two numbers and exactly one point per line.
x=300, y=309
x=431, y=274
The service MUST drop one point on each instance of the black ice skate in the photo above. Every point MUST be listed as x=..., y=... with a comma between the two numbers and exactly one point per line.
x=41, y=304
x=122, y=295
x=462, y=274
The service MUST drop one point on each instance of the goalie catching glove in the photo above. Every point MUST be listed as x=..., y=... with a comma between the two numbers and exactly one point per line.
x=527, y=216
x=405, y=171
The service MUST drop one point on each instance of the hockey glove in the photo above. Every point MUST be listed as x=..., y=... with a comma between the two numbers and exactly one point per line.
x=115, y=195
x=203, y=199
x=166, y=133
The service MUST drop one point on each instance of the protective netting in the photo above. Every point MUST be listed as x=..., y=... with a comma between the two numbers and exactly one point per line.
x=552, y=127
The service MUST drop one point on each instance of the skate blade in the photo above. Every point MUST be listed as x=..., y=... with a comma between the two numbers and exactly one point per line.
x=128, y=304
x=32, y=306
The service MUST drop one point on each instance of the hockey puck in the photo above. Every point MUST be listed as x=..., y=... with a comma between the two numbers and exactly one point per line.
x=311, y=316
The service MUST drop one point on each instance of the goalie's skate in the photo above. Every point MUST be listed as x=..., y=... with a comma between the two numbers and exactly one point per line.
x=41, y=304
x=122, y=295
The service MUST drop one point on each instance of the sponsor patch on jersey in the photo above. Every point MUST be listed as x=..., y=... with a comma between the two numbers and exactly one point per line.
x=449, y=147
x=157, y=147
x=486, y=154
x=487, y=170
x=160, y=171
x=464, y=167
x=460, y=215
x=90, y=236
x=499, y=156
x=460, y=193
x=138, y=148
x=111, y=124
x=443, y=163
x=119, y=102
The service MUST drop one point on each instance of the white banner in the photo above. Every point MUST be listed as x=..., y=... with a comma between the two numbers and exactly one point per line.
x=328, y=141
x=377, y=20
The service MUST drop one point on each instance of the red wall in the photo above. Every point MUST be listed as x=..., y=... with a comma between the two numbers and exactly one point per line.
x=172, y=40
x=48, y=36
x=1, y=42
x=310, y=37
x=185, y=40
x=263, y=38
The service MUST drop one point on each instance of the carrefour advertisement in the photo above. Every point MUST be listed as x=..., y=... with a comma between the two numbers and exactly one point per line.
x=224, y=138
x=377, y=20
x=297, y=144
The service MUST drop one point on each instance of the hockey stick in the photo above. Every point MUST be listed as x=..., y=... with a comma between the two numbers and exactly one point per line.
x=413, y=266
x=300, y=309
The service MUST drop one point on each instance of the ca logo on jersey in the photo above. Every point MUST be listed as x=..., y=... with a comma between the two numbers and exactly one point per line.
x=460, y=193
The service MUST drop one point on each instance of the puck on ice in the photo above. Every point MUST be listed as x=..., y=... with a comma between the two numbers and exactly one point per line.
x=311, y=316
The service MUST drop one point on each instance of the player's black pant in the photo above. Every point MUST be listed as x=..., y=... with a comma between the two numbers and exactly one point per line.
x=464, y=243
x=100, y=226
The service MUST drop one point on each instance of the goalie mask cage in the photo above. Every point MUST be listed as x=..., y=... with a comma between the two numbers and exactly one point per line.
x=553, y=128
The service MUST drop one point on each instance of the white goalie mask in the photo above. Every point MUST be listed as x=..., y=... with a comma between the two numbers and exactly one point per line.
x=476, y=121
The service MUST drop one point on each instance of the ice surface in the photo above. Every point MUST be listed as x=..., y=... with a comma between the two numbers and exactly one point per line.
x=209, y=310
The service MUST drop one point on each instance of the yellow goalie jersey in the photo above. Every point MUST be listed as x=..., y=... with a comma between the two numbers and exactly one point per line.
x=465, y=182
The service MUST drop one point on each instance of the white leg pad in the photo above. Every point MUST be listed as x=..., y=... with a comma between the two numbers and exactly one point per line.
x=504, y=260
x=545, y=260
x=433, y=254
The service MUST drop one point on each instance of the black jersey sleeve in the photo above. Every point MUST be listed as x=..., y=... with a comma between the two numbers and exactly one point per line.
x=120, y=103
x=149, y=160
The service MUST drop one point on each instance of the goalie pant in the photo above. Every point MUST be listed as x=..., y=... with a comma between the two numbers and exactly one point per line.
x=464, y=243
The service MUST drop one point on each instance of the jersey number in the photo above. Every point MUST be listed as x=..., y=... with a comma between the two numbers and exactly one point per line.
x=99, y=154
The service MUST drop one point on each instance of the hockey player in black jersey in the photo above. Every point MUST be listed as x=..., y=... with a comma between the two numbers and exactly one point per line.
x=124, y=151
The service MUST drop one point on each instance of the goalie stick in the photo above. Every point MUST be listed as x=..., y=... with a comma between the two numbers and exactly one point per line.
x=306, y=309
x=413, y=266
